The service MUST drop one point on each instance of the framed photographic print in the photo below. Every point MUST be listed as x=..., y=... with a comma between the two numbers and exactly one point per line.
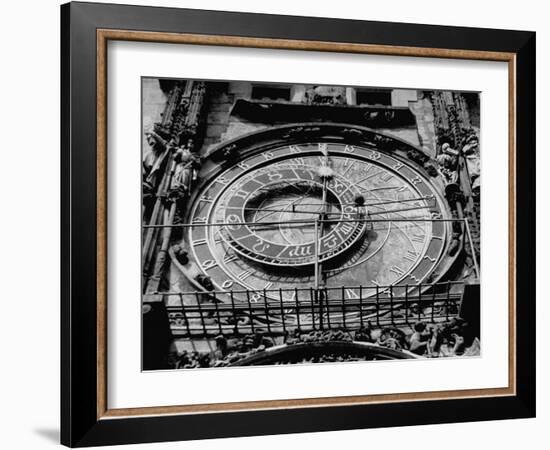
x=277, y=224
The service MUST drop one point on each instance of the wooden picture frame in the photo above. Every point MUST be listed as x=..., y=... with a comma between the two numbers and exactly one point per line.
x=85, y=417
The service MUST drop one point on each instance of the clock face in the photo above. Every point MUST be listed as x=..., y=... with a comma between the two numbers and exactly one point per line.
x=346, y=217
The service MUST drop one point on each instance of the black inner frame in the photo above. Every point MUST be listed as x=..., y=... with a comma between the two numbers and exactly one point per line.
x=79, y=424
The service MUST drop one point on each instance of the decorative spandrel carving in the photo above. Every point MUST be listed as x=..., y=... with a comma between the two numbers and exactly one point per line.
x=188, y=117
x=180, y=128
x=458, y=157
x=169, y=170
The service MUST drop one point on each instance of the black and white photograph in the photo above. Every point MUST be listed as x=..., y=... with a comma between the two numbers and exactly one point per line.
x=297, y=224
x=275, y=225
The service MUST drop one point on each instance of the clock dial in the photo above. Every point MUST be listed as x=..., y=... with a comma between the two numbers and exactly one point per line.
x=351, y=215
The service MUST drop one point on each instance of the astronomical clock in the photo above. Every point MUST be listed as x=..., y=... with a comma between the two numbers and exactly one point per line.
x=280, y=221
x=369, y=217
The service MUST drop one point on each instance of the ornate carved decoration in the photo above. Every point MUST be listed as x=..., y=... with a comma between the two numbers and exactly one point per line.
x=458, y=156
x=170, y=170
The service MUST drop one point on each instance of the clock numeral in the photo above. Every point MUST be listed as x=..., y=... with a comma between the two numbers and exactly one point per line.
x=375, y=156
x=416, y=180
x=429, y=258
x=255, y=298
x=346, y=228
x=222, y=180
x=323, y=147
x=338, y=186
x=397, y=270
x=436, y=215
x=208, y=264
x=348, y=164
x=351, y=294
x=227, y=284
x=268, y=285
x=199, y=242
x=397, y=166
x=241, y=193
x=294, y=149
x=418, y=238
x=292, y=298
x=199, y=219
x=412, y=277
x=385, y=177
x=366, y=167
x=243, y=166
x=298, y=161
x=244, y=275
x=229, y=257
x=268, y=155
x=206, y=198
x=411, y=256
x=349, y=149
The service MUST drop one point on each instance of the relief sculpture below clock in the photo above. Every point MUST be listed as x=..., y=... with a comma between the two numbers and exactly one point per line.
x=339, y=231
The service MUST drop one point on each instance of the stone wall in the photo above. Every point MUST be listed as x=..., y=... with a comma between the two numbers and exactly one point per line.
x=423, y=111
x=222, y=126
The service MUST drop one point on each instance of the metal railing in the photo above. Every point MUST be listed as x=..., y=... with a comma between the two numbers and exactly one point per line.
x=207, y=314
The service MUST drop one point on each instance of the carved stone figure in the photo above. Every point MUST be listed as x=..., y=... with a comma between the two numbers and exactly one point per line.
x=448, y=163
